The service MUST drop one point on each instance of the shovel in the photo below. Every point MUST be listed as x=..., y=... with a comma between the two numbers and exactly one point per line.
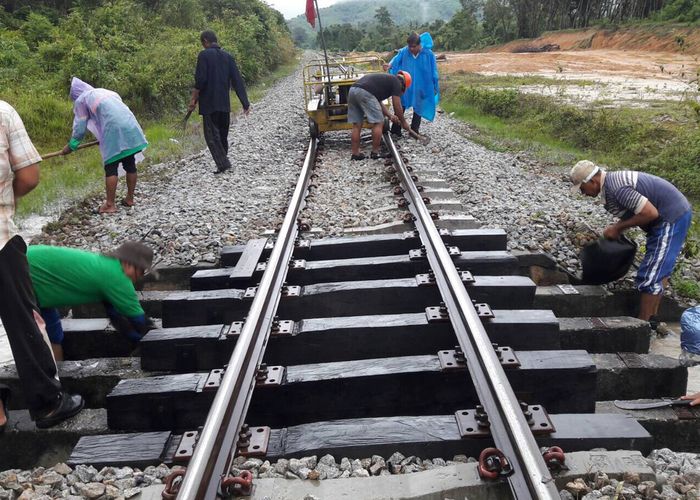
x=634, y=405
x=60, y=153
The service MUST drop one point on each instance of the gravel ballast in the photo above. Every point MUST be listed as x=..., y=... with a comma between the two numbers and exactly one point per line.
x=677, y=477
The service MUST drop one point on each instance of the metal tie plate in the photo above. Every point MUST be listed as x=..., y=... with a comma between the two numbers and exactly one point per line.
x=185, y=449
x=258, y=442
x=436, y=314
x=484, y=311
x=428, y=279
x=213, y=381
x=291, y=291
x=235, y=329
x=416, y=254
x=507, y=357
x=287, y=291
x=270, y=376
x=450, y=361
x=453, y=251
x=302, y=246
x=298, y=264
x=282, y=328
x=471, y=425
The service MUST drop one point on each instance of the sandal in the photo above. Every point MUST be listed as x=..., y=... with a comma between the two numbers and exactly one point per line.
x=4, y=399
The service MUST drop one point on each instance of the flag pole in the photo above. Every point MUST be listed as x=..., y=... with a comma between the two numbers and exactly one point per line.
x=325, y=53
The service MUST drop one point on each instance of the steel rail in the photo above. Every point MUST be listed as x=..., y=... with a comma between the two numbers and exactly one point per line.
x=509, y=429
x=216, y=446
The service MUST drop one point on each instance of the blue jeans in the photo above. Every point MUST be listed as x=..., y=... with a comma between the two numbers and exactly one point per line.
x=664, y=243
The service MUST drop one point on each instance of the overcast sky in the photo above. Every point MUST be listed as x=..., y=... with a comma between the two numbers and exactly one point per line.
x=292, y=8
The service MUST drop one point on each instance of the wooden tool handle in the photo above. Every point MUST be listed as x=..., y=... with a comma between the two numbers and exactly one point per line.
x=60, y=153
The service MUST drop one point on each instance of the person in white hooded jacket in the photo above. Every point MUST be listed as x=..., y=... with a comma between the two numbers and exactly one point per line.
x=103, y=113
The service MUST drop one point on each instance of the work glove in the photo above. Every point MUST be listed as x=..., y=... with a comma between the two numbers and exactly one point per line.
x=133, y=328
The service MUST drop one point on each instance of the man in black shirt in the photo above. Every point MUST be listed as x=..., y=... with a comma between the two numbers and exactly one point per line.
x=365, y=100
x=215, y=75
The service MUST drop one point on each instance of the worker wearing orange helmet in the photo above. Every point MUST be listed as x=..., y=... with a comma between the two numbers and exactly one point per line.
x=365, y=101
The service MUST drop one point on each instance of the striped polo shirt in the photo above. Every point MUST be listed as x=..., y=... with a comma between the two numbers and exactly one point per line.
x=626, y=192
x=16, y=152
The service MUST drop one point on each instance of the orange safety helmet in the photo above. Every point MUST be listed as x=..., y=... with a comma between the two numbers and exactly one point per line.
x=406, y=78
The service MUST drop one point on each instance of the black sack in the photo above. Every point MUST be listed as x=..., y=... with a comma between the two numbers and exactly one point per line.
x=605, y=260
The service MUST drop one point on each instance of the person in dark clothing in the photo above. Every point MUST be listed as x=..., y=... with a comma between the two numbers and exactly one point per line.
x=215, y=75
x=365, y=100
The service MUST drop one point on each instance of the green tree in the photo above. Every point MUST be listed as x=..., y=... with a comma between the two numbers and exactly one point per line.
x=499, y=21
x=385, y=24
x=36, y=29
x=462, y=31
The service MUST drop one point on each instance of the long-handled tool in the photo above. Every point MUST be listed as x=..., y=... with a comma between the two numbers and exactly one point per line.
x=187, y=117
x=634, y=405
x=423, y=139
x=60, y=153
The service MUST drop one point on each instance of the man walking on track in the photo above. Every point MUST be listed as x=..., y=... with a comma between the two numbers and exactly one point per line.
x=215, y=75
x=103, y=113
x=41, y=388
x=654, y=205
x=418, y=59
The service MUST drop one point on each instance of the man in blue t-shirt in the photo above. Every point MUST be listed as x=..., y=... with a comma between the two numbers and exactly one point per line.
x=654, y=205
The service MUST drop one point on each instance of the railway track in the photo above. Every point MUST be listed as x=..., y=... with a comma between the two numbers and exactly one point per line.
x=428, y=341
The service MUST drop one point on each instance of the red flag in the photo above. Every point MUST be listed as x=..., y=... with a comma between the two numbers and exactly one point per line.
x=311, y=13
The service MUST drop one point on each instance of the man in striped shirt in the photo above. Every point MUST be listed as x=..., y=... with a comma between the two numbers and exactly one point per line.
x=654, y=205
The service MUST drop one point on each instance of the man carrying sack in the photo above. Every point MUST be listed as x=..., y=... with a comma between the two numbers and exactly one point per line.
x=650, y=203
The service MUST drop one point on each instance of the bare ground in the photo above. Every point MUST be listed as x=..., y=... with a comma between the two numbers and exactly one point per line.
x=656, y=70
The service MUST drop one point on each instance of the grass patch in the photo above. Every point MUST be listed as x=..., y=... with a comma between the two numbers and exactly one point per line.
x=663, y=140
x=467, y=78
x=67, y=179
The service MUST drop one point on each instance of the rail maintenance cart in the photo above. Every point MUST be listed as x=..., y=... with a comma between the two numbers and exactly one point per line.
x=326, y=88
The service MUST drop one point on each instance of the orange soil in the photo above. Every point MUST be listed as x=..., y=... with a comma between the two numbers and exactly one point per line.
x=634, y=52
x=663, y=38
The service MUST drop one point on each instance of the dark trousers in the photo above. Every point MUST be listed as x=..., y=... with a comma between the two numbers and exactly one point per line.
x=33, y=358
x=129, y=164
x=415, y=125
x=216, y=134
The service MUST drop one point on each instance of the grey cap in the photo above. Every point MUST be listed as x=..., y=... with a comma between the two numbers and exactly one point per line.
x=135, y=253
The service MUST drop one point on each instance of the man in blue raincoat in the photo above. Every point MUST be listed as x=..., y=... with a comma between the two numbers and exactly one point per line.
x=103, y=113
x=418, y=59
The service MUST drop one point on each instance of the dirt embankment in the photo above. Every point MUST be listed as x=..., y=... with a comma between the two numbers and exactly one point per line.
x=652, y=38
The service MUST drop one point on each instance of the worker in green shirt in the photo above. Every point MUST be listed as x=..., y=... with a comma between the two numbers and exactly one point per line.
x=66, y=277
